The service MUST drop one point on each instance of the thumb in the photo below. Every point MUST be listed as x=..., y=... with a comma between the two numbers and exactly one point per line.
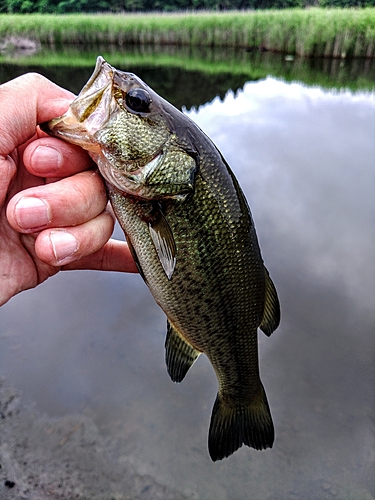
x=25, y=102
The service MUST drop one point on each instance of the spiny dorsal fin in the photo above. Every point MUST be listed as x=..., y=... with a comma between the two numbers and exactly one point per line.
x=271, y=313
x=179, y=354
x=163, y=240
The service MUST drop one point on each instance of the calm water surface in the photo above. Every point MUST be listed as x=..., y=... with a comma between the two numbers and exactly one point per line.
x=92, y=343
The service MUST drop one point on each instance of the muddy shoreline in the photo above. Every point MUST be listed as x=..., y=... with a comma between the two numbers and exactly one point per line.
x=64, y=458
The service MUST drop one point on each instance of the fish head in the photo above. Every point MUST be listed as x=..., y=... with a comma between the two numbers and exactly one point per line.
x=134, y=135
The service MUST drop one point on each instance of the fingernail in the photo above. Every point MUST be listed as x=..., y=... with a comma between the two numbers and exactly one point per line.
x=32, y=213
x=46, y=159
x=64, y=244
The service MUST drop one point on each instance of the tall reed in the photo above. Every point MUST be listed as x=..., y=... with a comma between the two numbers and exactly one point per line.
x=306, y=32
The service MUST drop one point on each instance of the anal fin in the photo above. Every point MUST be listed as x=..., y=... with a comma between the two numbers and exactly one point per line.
x=271, y=313
x=179, y=354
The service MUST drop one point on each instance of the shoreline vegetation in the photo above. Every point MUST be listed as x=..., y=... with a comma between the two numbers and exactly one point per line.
x=313, y=32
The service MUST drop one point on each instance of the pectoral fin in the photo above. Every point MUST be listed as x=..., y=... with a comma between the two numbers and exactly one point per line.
x=179, y=354
x=271, y=314
x=163, y=240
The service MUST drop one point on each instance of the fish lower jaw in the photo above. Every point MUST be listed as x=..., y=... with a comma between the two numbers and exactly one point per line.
x=83, y=142
x=77, y=136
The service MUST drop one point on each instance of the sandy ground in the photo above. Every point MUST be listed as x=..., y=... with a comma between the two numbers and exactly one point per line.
x=43, y=458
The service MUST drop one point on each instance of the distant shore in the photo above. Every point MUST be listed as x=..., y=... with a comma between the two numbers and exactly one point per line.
x=314, y=32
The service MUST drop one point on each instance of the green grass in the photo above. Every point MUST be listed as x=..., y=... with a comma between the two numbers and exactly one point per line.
x=307, y=32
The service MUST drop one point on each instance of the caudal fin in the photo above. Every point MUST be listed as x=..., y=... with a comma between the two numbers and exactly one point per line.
x=234, y=425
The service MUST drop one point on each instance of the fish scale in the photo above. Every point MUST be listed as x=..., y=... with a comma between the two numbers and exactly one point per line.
x=191, y=233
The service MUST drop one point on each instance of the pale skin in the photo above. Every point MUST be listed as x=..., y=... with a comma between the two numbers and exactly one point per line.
x=54, y=212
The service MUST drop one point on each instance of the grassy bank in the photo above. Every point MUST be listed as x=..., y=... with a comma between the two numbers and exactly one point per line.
x=310, y=32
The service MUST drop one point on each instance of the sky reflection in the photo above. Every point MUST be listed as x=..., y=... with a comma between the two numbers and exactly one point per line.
x=306, y=157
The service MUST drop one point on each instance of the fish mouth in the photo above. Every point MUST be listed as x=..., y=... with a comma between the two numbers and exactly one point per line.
x=67, y=128
x=101, y=68
x=89, y=111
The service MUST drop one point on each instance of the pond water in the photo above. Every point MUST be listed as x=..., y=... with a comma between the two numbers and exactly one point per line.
x=91, y=344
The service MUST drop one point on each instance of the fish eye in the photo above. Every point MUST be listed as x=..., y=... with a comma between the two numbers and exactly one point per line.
x=138, y=100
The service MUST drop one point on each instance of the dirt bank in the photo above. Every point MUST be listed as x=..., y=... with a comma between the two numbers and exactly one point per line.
x=43, y=458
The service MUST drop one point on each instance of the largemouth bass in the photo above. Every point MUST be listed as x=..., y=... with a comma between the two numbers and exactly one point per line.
x=192, y=236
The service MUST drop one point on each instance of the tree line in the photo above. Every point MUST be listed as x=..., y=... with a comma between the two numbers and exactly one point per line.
x=90, y=6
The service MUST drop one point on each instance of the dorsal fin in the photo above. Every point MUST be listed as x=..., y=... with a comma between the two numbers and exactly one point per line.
x=271, y=314
x=179, y=354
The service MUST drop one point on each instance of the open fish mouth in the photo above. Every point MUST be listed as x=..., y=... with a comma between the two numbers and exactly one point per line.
x=89, y=111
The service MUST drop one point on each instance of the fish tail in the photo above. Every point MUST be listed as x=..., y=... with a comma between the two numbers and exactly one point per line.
x=233, y=425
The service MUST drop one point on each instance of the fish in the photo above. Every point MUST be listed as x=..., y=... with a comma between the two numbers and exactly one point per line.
x=192, y=236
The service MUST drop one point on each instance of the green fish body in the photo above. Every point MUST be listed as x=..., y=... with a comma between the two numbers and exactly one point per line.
x=192, y=237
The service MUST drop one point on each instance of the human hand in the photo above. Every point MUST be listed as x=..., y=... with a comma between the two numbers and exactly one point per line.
x=53, y=205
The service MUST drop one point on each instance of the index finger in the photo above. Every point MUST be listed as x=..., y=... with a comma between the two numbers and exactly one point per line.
x=50, y=157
